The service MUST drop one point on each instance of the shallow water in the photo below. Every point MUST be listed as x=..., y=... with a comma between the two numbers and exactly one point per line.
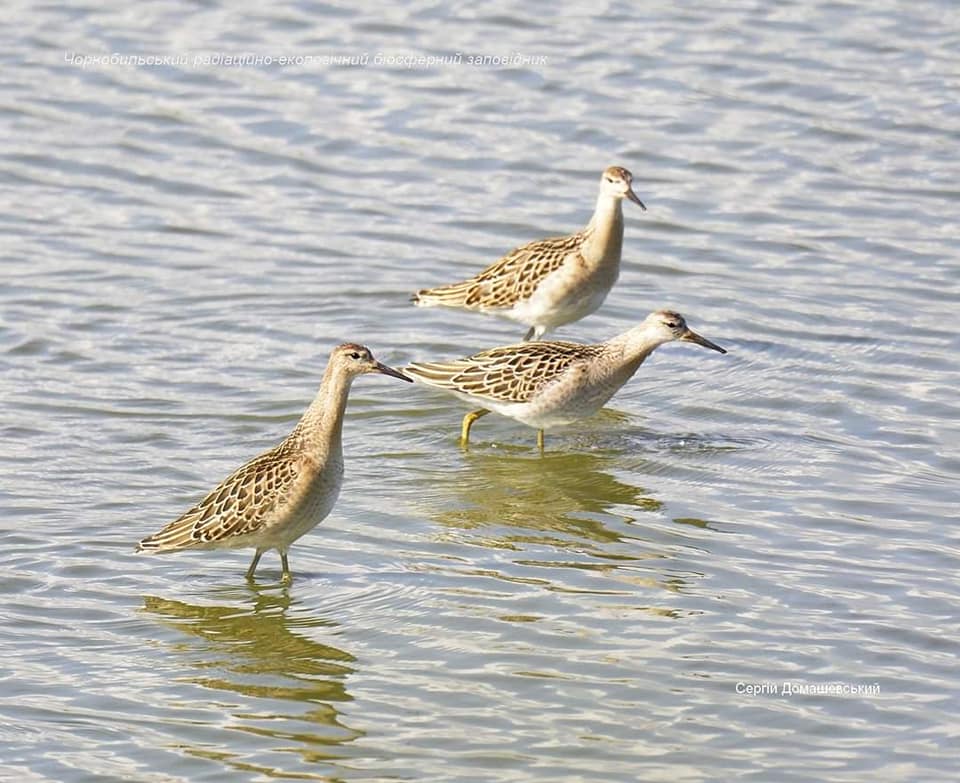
x=182, y=246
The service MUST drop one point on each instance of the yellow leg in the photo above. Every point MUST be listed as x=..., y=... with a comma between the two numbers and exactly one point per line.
x=285, y=575
x=540, y=440
x=468, y=421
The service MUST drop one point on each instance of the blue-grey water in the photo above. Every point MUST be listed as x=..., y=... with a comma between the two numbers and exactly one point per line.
x=746, y=568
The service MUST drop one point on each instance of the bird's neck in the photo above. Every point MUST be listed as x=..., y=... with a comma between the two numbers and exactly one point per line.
x=321, y=426
x=632, y=348
x=605, y=230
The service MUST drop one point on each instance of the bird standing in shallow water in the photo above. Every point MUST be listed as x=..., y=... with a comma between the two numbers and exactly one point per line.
x=550, y=282
x=284, y=493
x=549, y=384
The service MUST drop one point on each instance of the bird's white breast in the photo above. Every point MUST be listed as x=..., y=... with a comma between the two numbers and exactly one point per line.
x=311, y=505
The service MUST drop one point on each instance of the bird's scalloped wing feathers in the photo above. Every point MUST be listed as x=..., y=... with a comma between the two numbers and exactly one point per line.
x=238, y=506
x=513, y=373
x=512, y=279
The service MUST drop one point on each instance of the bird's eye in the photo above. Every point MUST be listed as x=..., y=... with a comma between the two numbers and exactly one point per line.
x=609, y=179
x=672, y=324
x=355, y=355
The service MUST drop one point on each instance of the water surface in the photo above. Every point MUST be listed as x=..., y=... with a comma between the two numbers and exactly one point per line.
x=183, y=244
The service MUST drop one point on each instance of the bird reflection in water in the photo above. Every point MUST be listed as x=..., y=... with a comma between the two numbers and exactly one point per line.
x=563, y=513
x=564, y=499
x=251, y=644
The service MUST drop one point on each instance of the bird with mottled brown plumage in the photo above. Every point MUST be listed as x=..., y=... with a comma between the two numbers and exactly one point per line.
x=550, y=282
x=546, y=384
x=284, y=493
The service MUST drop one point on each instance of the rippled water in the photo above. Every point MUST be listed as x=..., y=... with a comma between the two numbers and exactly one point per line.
x=183, y=244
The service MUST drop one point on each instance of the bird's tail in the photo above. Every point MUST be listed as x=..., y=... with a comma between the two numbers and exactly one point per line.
x=453, y=295
x=443, y=375
x=177, y=535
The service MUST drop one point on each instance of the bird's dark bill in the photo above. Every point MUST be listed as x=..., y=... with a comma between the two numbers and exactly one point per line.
x=395, y=373
x=633, y=197
x=693, y=337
